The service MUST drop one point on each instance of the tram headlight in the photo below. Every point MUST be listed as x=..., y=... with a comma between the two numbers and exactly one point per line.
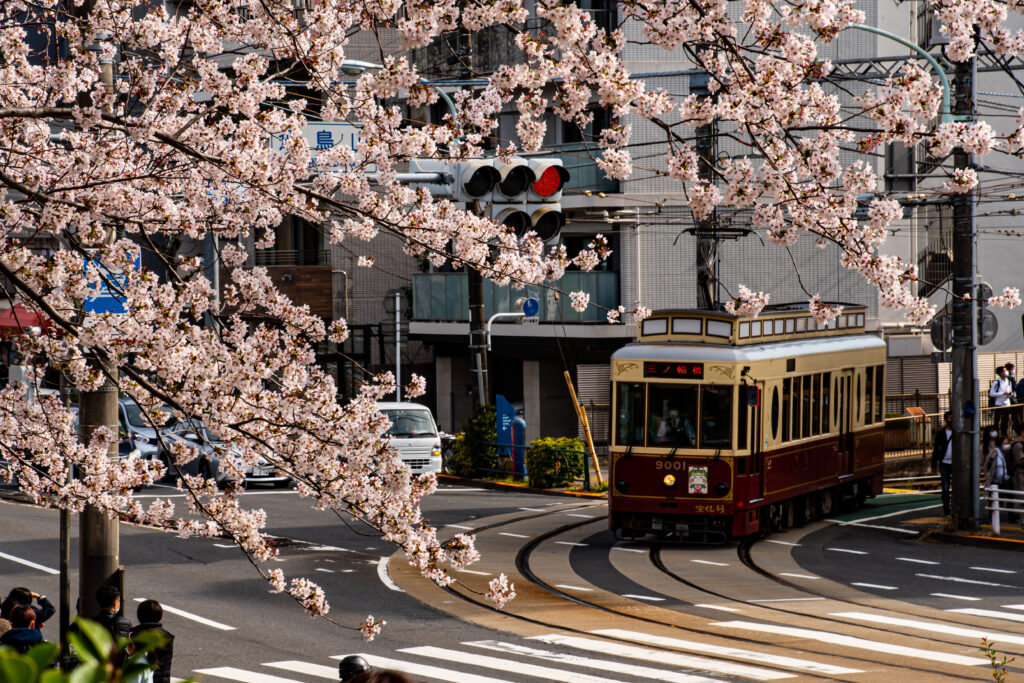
x=721, y=488
x=669, y=480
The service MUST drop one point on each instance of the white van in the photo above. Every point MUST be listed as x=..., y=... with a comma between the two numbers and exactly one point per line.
x=414, y=435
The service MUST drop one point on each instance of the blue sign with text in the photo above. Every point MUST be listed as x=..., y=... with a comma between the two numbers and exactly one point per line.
x=504, y=413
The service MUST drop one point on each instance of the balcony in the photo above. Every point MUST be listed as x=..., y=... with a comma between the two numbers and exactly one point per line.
x=293, y=257
x=444, y=297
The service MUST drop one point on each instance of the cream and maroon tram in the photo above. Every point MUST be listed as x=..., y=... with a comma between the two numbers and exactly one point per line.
x=726, y=426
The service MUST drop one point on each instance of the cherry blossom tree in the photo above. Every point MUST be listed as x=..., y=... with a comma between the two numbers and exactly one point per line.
x=176, y=148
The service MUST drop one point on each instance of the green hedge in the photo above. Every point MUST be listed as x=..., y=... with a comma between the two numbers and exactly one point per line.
x=470, y=457
x=554, y=461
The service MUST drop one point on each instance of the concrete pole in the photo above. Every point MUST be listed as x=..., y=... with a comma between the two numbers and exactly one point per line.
x=398, y=345
x=97, y=533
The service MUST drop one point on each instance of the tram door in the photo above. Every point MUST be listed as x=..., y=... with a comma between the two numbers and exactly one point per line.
x=844, y=420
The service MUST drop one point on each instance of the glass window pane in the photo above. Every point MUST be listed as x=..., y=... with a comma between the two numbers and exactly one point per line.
x=826, y=398
x=672, y=415
x=880, y=391
x=815, y=405
x=741, y=417
x=716, y=416
x=805, y=408
x=869, y=394
x=787, y=388
x=797, y=393
x=629, y=423
x=775, y=412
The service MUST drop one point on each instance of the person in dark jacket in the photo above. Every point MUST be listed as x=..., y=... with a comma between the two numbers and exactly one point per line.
x=109, y=600
x=942, y=458
x=23, y=634
x=44, y=609
x=150, y=615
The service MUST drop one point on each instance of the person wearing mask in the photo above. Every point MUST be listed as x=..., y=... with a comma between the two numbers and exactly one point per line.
x=942, y=458
x=109, y=600
x=23, y=634
x=43, y=608
x=151, y=614
x=996, y=471
x=1000, y=393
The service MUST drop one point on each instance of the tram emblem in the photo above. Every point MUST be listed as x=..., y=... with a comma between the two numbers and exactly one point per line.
x=698, y=483
x=623, y=368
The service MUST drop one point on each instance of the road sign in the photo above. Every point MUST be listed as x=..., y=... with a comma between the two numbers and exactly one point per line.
x=531, y=307
x=988, y=327
x=320, y=136
x=101, y=299
x=531, y=320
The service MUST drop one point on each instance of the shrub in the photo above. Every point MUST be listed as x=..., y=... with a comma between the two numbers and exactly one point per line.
x=554, y=461
x=469, y=454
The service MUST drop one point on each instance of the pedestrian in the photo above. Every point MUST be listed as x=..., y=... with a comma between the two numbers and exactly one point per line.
x=1015, y=399
x=1017, y=460
x=24, y=633
x=151, y=614
x=995, y=468
x=5, y=626
x=380, y=676
x=109, y=600
x=43, y=608
x=350, y=667
x=999, y=394
x=942, y=458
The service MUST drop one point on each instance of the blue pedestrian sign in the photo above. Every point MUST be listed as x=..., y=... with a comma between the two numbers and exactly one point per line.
x=531, y=307
x=106, y=297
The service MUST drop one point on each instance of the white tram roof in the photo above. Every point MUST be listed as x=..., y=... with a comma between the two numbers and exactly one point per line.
x=673, y=351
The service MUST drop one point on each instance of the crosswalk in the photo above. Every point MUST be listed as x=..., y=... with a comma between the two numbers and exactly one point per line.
x=625, y=656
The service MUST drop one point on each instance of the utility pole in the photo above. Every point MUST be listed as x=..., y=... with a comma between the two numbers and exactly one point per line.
x=706, y=231
x=478, y=334
x=398, y=345
x=964, y=395
x=97, y=533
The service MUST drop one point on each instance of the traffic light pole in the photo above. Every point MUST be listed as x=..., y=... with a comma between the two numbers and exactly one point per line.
x=964, y=391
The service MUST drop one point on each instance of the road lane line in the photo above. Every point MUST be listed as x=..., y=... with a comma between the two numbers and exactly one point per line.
x=193, y=617
x=862, y=525
x=772, y=540
x=385, y=578
x=459, y=526
x=798, y=576
x=643, y=597
x=888, y=514
x=28, y=563
x=225, y=545
x=422, y=670
x=853, y=642
x=536, y=509
x=784, y=599
x=306, y=668
x=992, y=569
x=474, y=571
x=1013, y=606
x=915, y=561
x=325, y=570
x=487, y=662
x=576, y=514
x=933, y=627
x=846, y=550
x=506, y=533
x=713, y=564
x=578, y=545
x=629, y=550
x=875, y=585
x=572, y=588
x=233, y=674
x=957, y=579
x=726, y=651
x=988, y=613
x=723, y=608
x=954, y=597
x=662, y=657
x=644, y=672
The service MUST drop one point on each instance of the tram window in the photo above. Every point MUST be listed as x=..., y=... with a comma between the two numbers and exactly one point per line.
x=869, y=393
x=805, y=408
x=775, y=413
x=816, y=405
x=795, y=400
x=787, y=388
x=856, y=410
x=715, y=416
x=825, y=400
x=742, y=409
x=879, y=391
x=629, y=424
x=837, y=399
x=672, y=415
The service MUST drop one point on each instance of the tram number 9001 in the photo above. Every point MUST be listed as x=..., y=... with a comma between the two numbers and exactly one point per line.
x=669, y=465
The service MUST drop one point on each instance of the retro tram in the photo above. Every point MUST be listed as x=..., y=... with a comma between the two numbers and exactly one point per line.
x=726, y=426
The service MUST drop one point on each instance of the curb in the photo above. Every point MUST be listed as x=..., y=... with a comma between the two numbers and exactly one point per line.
x=519, y=488
x=987, y=542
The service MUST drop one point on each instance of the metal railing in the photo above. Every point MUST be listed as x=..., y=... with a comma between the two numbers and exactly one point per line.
x=1002, y=500
x=293, y=257
x=911, y=435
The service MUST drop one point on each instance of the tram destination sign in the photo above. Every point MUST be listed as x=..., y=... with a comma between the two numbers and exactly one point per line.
x=674, y=370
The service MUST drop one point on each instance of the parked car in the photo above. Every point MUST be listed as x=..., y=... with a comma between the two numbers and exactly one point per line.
x=414, y=435
x=139, y=429
x=213, y=450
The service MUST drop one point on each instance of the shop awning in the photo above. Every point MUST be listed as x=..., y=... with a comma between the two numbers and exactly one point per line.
x=20, y=318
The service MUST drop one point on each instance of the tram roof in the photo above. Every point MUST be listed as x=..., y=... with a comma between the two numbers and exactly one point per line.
x=672, y=351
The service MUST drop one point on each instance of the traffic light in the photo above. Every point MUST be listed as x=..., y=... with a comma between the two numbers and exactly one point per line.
x=528, y=195
x=545, y=199
x=474, y=180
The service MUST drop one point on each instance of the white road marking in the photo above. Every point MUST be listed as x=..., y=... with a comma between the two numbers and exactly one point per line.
x=643, y=597
x=457, y=489
x=385, y=578
x=875, y=585
x=225, y=545
x=347, y=571
x=846, y=550
x=784, y=599
x=851, y=641
x=421, y=670
x=333, y=548
x=988, y=613
x=233, y=674
x=27, y=563
x=325, y=570
x=307, y=668
x=474, y=571
x=572, y=588
x=862, y=525
x=992, y=569
x=798, y=576
x=578, y=545
x=888, y=514
x=726, y=651
x=795, y=545
x=954, y=597
x=722, y=608
x=1014, y=606
x=487, y=662
x=662, y=657
x=714, y=564
x=536, y=509
x=576, y=514
x=957, y=579
x=629, y=550
x=459, y=526
x=193, y=617
x=645, y=672
x=933, y=627
x=506, y=533
x=911, y=559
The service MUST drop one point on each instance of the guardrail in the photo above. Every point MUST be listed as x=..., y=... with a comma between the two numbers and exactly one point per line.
x=1002, y=500
x=913, y=435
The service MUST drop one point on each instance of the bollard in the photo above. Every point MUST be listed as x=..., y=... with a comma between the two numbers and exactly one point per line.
x=993, y=499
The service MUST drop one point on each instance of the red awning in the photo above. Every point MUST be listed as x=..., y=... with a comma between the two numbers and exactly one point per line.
x=20, y=318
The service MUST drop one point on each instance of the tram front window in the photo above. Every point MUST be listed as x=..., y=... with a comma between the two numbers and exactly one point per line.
x=672, y=415
x=629, y=428
x=716, y=416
